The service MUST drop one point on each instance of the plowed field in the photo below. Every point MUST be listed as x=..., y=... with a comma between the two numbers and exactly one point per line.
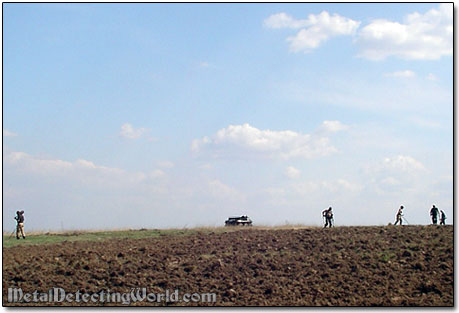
x=342, y=266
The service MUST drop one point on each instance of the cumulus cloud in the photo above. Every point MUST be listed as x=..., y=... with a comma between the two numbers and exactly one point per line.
x=7, y=133
x=245, y=140
x=315, y=30
x=283, y=20
x=401, y=74
x=292, y=172
x=129, y=132
x=426, y=36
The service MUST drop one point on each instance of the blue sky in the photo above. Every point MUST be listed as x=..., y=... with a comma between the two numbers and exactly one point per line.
x=173, y=115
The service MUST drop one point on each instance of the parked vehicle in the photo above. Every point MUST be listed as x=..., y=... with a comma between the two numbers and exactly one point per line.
x=243, y=220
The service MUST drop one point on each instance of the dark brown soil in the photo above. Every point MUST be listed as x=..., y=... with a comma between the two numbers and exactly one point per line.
x=342, y=266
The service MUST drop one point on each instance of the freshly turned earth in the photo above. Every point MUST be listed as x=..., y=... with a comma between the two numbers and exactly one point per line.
x=342, y=266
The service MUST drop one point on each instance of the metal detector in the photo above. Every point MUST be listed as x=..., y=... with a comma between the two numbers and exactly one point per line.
x=405, y=220
x=12, y=233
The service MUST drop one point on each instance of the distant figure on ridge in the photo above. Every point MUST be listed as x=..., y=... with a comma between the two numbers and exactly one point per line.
x=328, y=215
x=20, y=224
x=442, y=217
x=398, y=217
x=434, y=214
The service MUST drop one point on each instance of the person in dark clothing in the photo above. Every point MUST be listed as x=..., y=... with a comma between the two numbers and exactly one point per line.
x=434, y=214
x=398, y=217
x=328, y=214
x=442, y=217
x=20, y=224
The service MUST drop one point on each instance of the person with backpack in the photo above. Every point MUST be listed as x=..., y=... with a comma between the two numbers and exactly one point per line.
x=328, y=215
x=398, y=217
x=434, y=214
x=20, y=224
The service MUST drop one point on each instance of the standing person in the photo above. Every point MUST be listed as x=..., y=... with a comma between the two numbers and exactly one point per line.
x=434, y=214
x=328, y=214
x=399, y=216
x=20, y=224
x=442, y=217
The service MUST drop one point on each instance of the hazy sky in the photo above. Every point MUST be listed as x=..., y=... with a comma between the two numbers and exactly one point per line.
x=180, y=115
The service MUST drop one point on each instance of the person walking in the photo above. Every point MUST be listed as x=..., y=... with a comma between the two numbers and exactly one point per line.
x=434, y=214
x=328, y=215
x=442, y=217
x=20, y=224
x=398, y=217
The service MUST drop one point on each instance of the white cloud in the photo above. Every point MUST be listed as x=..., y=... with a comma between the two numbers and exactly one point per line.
x=292, y=172
x=333, y=126
x=283, y=20
x=81, y=170
x=31, y=164
x=129, y=132
x=396, y=174
x=7, y=133
x=402, y=163
x=88, y=195
x=247, y=140
x=401, y=74
x=426, y=36
x=316, y=29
